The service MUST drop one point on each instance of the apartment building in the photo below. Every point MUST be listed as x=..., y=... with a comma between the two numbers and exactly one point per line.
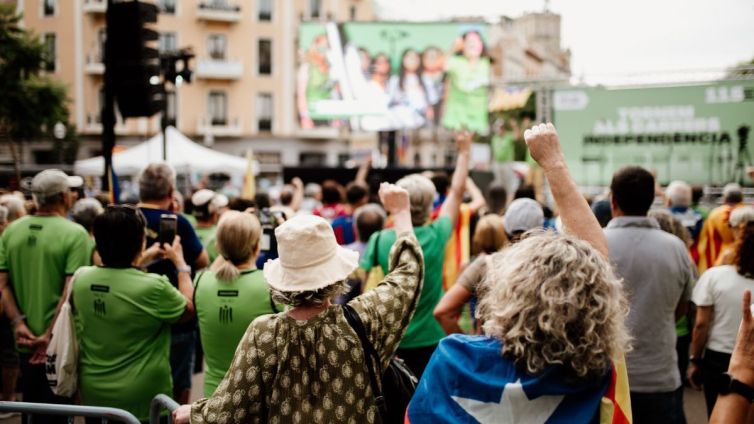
x=242, y=93
x=528, y=49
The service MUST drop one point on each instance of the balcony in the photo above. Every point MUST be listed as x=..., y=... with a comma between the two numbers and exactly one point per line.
x=94, y=64
x=95, y=6
x=218, y=11
x=209, y=129
x=93, y=126
x=222, y=69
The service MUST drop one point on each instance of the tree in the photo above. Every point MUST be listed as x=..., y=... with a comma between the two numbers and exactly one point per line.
x=744, y=70
x=31, y=102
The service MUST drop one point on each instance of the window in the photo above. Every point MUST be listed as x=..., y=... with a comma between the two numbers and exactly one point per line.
x=216, y=44
x=167, y=42
x=172, y=108
x=264, y=112
x=48, y=7
x=50, y=42
x=166, y=6
x=101, y=38
x=353, y=13
x=312, y=159
x=265, y=57
x=314, y=8
x=218, y=107
x=264, y=12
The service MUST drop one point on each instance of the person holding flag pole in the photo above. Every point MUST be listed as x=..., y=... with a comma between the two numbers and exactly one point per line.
x=553, y=317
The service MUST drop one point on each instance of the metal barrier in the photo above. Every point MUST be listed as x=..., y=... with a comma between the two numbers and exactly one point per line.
x=106, y=414
x=158, y=403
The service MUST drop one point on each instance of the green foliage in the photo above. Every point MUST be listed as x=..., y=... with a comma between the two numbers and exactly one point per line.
x=31, y=102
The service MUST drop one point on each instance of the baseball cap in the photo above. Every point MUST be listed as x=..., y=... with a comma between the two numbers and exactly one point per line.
x=215, y=200
x=53, y=181
x=523, y=215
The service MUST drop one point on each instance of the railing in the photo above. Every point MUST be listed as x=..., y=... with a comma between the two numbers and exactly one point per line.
x=232, y=128
x=94, y=64
x=95, y=6
x=219, y=69
x=219, y=11
x=106, y=414
x=159, y=403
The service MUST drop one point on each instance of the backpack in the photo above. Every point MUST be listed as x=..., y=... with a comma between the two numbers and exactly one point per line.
x=398, y=383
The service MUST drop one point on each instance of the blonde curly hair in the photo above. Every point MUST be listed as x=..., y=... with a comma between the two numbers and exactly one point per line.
x=553, y=299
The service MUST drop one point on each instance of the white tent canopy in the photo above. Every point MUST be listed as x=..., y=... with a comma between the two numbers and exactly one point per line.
x=183, y=154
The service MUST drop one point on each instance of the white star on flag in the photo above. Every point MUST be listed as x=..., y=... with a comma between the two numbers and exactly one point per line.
x=514, y=407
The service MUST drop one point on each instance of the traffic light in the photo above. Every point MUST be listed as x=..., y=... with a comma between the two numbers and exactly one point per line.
x=133, y=63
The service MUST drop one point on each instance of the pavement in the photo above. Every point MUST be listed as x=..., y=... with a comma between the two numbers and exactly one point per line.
x=693, y=403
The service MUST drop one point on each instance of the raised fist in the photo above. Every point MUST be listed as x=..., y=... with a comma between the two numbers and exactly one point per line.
x=394, y=199
x=544, y=145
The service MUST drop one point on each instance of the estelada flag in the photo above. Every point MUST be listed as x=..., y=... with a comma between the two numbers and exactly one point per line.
x=249, y=183
x=469, y=381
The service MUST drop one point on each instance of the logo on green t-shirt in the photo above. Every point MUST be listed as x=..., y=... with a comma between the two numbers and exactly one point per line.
x=99, y=307
x=226, y=314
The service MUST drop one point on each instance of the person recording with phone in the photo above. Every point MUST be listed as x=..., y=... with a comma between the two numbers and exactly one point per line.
x=156, y=187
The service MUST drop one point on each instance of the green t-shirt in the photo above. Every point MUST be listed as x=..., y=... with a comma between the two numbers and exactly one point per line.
x=207, y=237
x=38, y=252
x=225, y=310
x=423, y=330
x=504, y=147
x=122, y=318
x=190, y=218
x=467, y=100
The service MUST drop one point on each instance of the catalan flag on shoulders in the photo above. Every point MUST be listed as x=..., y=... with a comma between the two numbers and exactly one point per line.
x=468, y=381
x=458, y=248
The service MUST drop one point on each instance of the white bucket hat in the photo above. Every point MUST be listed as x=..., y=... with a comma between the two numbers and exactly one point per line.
x=310, y=258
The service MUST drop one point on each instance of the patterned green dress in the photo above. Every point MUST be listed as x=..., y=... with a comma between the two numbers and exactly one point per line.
x=313, y=371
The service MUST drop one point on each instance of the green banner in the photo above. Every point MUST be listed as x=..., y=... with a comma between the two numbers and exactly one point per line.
x=696, y=133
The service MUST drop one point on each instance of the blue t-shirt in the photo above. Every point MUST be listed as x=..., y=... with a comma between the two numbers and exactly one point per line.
x=342, y=226
x=192, y=248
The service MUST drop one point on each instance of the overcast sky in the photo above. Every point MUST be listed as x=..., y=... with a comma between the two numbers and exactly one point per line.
x=612, y=40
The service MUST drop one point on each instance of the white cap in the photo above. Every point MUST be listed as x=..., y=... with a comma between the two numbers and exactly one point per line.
x=53, y=181
x=523, y=215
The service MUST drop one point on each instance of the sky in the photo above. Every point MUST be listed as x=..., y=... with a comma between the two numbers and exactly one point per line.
x=618, y=41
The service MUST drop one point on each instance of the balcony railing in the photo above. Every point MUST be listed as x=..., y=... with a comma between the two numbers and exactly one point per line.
x=232, y=128
x=219, y=69
x=218, y=11
x=94, y=64
x=95, y=6
x=94, y=125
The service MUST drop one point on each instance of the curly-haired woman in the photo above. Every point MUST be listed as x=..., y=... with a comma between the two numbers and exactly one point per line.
x=553, y=326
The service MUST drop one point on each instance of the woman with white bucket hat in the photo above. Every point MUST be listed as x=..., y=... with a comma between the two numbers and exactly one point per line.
x=307, y=365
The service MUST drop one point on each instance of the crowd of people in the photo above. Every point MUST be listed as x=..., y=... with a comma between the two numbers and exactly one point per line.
x=593, y=310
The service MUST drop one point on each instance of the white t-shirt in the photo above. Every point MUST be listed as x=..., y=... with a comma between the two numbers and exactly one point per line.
x=722, y=287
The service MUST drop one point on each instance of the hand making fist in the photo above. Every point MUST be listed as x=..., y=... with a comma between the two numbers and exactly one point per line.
x=544, y=145
x=394, y=199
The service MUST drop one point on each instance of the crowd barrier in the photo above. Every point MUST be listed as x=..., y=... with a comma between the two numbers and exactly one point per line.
x=159, y=403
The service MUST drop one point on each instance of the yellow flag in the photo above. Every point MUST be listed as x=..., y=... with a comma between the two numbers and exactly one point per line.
x=249, y=184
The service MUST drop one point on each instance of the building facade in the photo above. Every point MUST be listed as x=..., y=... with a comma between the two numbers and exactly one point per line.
x=242, y=93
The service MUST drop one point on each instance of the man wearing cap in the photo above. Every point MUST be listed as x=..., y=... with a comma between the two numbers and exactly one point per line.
x=521, y=216
x=38, y=255
x=156, y=189
x=716, y=235
x=208, y=206
x=657, y=275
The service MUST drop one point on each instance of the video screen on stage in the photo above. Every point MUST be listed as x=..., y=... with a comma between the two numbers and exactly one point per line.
x=389, y=76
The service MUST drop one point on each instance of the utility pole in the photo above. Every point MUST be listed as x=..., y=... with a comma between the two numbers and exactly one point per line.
x=107, y=116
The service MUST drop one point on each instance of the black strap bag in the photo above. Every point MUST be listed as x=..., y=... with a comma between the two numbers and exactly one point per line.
x=398, y=382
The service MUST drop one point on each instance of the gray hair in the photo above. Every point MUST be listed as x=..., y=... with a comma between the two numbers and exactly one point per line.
x=553, y=299
x=679, y=193
x=310, y=297
x=84, y=212
x=15, y=206
x=742, y=215
x=53, y=200
x=3, y=215
x=732, y=193
x=156, y=182
x=421, y=194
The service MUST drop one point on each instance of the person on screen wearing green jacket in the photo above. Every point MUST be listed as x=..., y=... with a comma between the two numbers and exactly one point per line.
x=122, y=315
x=231, y=294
